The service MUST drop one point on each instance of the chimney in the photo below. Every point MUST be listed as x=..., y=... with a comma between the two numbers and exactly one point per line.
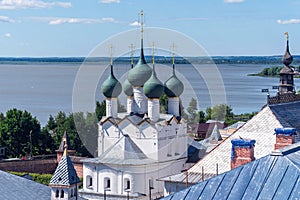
x=284, y=137
x=242, y=152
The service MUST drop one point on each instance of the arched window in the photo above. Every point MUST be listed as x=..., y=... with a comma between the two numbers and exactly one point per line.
x=126, y=184
x=106, y=183
x=89, y=181
x=56, y=193
x=62, y=194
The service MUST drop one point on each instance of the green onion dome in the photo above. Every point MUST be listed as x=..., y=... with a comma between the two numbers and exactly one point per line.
x=138, y=75
x=153, y=87
x=127, y=88
x=173, y=86
x=111, y=87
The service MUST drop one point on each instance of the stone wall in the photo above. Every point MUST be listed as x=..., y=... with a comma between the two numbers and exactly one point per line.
x=45, y=166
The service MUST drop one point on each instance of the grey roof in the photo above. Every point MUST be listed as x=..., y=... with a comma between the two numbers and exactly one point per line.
x=124, y=151
x=18, y=188
x=235, y=125
x=215, y=134
x=65, y=174
x=275, y=176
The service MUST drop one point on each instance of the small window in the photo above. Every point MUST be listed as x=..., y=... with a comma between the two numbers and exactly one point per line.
x=62, y=194
x=71, y=192
x=126, y=184
x=89, y=181
x=106, y=183
x=57, y=194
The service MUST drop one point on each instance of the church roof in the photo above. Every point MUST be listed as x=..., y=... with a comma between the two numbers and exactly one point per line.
x=124, y=151
x=274, y=176
x=65, y=173
x=260, y=128
x=111, y=87
x=18, y=188
x=286, y=70
x=173, y=86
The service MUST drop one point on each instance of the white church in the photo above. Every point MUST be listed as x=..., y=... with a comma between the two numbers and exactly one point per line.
x=137, y=147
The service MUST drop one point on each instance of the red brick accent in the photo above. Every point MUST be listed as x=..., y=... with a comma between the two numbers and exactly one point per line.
x=242, y=155
x=46, y=166
x=283, y=140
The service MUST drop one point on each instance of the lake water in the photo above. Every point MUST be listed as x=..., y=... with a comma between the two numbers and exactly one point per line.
x=45, y=89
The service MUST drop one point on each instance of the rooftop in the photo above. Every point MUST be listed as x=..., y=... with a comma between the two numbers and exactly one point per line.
x=276, y=176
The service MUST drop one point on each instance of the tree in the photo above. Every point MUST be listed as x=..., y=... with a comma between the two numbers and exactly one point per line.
x=201, y=117
x=21, y=133
x=192, y=111
x=220, y=112
x=163, y=102
x=100, y=109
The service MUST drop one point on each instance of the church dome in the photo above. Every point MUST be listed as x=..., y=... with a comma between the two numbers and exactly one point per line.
x=153, y=87
x=111, y=87
x=127, y=88
x=173, y=86
x=138, y=75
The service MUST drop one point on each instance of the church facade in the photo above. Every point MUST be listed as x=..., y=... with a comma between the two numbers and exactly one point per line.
x=137, y=147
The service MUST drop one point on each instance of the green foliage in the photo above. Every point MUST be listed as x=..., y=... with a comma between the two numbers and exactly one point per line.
x=271, y=71
x=39, y=178
x=192, y=111
x=100, y=109
x=163, y=102
x=75, y=125
x=18, y=129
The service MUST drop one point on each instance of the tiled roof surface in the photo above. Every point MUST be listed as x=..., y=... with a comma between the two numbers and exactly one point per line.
x=125, y=151
x=260, y=128
x=18, y=188
x=270, y=177
x=65, y=174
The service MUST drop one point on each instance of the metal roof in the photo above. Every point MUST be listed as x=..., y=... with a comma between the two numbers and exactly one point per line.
x=124, y=151
x=18, y=188
x=260, y=128
x=276, y=176
x=65, y=174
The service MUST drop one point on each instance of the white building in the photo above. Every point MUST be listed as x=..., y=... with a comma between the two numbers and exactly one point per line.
x=140, y=146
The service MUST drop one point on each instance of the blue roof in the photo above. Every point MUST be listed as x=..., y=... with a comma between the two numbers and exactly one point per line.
x=18, y=188
x=275, y=176
x=65, y=174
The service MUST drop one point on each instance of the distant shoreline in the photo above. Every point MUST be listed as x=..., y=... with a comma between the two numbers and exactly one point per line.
x=276, y=60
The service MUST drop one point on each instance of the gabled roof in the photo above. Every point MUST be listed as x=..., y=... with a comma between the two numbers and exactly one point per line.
x=276, y=176
x=65, y=174
x=18, y=188
x=260, y=128
x=125, y=151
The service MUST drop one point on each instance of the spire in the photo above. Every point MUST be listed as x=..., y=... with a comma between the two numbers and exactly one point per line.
x=65, y=146
x=131, y=54
x=287, y=58
x=142, y=57
x=173, y=58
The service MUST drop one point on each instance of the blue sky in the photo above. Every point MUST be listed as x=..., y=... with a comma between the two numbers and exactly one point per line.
x=41, y=28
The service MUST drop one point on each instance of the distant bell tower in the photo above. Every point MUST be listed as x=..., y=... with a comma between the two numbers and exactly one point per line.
x=286, y=83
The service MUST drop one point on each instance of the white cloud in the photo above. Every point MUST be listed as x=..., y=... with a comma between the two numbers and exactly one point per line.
x=234, y=1
x=110, y=1
x=289, y=21
x=58, y=21
x=135, y=23
x=7, y=35
x=6, y=19
x=23, y=4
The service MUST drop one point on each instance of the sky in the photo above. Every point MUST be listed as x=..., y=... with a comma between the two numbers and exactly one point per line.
x=64, y=28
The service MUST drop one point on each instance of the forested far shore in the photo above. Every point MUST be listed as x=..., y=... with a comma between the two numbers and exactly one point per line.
x=274, y=71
